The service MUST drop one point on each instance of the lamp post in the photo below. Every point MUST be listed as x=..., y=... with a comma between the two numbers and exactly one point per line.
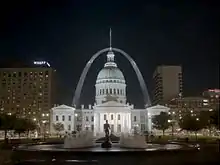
x=171, y=122
x=44, y=129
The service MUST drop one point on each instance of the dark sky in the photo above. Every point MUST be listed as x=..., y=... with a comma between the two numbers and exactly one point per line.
x=67, y=33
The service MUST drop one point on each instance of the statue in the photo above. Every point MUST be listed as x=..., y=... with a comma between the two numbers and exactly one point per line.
x=107, y=143
x=106, y=128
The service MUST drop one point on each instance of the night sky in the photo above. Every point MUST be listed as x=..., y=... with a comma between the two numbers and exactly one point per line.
x=67, y=34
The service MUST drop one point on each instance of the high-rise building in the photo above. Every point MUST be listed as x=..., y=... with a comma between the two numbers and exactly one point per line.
x=167, y=83
x=27, y=91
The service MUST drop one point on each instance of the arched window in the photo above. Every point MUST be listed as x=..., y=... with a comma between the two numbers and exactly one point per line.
x=114, y=91
x=135, y=118
x=110, y=90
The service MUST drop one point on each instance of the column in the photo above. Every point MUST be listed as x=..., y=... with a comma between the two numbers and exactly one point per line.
x=149, y=123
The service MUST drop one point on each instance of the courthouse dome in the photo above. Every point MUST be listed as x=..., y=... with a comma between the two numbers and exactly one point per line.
x=110, y=71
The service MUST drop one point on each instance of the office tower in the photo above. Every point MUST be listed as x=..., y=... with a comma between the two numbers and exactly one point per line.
x=28, y=91
x=167, y=83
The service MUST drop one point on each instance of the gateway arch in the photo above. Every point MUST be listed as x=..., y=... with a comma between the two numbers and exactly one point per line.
x=78, y=90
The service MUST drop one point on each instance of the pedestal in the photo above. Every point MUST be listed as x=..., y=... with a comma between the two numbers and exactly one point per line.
x=107, y=143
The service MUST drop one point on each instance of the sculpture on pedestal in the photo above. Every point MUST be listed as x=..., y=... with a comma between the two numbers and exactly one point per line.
x=107, y=143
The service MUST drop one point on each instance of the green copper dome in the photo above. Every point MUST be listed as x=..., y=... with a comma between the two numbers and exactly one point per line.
x=110, y=73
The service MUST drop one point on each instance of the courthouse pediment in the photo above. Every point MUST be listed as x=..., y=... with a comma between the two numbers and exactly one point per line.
x=112, y=106
x=63, y=107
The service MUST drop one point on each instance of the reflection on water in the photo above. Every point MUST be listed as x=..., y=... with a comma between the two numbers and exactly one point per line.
x=97, y=148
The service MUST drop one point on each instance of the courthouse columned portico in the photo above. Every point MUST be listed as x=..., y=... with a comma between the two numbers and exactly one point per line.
x=117, y=114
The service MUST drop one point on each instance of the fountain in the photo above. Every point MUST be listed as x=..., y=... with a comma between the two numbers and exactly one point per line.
x=81, y=147
x=132, y=141
x=79, y=140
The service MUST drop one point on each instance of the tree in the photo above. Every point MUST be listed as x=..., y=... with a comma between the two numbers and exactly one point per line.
x=216, y=119
x=58, y=127
x=20, y=126
x=24, y=125
x=192, y=123
x=161, y=121
x=30, y=126
x=206, y=117
x=7, y=123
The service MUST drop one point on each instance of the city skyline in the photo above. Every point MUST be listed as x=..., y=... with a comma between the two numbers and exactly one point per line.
x=68, y=38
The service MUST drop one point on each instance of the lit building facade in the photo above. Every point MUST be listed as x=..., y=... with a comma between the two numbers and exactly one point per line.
x=194, y=105
x=65, y=115
x=27, y=92
x=213, y=95
x=168, y=83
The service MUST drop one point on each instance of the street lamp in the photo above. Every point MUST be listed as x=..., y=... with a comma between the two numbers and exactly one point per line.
x=44, y=127
x=171, y=122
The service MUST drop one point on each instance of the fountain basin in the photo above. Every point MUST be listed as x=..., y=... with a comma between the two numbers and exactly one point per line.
x=79, y=140
x=56, y=153
x=136, y=141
